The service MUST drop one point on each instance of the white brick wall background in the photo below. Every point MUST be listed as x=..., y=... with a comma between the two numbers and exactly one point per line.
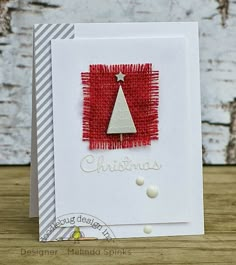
x=217, y=21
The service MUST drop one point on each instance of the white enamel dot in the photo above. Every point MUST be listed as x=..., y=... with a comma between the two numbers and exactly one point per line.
x=152, y=191
x=147, y=229
x=140, y=181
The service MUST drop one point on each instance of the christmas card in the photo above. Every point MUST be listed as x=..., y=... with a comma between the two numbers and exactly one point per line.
x=116, y=132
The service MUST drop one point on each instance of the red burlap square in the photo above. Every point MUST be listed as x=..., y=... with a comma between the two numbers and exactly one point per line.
x=100, y=88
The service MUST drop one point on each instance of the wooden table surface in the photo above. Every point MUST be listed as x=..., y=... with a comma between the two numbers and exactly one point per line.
x=19, y=234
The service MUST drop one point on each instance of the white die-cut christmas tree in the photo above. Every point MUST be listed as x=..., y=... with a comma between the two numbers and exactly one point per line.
x=121, y=119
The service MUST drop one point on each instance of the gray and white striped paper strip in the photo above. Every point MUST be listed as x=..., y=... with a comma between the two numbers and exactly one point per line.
x=43, y=34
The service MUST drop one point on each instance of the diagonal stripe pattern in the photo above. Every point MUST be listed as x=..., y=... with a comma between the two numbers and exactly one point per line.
x=43, y=34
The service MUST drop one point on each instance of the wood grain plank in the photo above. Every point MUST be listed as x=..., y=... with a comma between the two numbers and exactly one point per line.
x=19, y=234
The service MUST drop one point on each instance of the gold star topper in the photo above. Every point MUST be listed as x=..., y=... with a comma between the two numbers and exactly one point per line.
x=120, y=77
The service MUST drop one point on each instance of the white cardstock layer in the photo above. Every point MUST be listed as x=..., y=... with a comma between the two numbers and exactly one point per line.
x=82, y=182
x=161, y=29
